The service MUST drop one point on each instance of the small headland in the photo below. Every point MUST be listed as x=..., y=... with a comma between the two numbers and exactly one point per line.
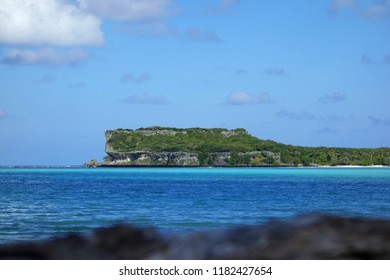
x=218, y=147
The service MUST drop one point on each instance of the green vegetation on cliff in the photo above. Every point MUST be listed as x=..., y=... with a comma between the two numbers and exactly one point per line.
x=238, y=146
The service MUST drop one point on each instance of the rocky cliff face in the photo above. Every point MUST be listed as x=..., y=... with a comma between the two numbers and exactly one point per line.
x=170, y=139
x=142, y=158
x=169, y=146
x=222, y=159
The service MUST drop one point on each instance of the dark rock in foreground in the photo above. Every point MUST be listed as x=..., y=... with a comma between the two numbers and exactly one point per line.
x=307, y=237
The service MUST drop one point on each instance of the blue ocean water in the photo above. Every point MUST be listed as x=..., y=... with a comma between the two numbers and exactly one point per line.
x=46, y=202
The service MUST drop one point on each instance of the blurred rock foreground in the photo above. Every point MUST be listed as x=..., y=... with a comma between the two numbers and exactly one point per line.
x=305, y=237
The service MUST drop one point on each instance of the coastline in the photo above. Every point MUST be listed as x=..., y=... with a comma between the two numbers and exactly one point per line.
x=44, y=166
x=354, y=166
x=239, y=166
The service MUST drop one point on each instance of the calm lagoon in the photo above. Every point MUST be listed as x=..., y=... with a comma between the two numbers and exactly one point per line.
x=39, y=203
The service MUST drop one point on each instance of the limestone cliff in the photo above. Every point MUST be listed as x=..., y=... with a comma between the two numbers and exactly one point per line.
x=191, y=147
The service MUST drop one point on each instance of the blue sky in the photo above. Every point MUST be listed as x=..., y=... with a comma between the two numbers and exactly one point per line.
x=311, y=73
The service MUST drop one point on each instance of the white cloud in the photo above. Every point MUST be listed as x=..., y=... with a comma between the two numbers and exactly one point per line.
x=245, y=98
x=128, y=10
x=44, y=57
x=332, y=98
x=145, y=98
x=45, y=32
x=2, y=114
x=47, y=22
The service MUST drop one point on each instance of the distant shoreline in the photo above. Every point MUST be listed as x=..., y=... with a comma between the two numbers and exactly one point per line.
x=180, y=166
x=162, y=166
x=354, y=166
x=219, y=147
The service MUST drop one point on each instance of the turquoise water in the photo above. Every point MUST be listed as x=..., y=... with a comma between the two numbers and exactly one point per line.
x=40, y=203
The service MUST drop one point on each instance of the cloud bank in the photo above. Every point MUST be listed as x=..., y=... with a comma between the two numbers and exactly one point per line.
x=47, y=22
x=35, y=29
x=46, y=32
x=61, y=23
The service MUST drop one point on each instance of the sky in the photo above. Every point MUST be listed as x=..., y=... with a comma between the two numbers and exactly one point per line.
x=308, y=73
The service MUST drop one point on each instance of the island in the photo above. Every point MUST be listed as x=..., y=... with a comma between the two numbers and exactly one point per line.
x=218, y=147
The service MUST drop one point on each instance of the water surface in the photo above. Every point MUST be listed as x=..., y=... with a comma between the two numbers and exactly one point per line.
x=46, y=202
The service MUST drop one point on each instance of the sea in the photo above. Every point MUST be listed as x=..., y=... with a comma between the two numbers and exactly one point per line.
x=42, y=203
